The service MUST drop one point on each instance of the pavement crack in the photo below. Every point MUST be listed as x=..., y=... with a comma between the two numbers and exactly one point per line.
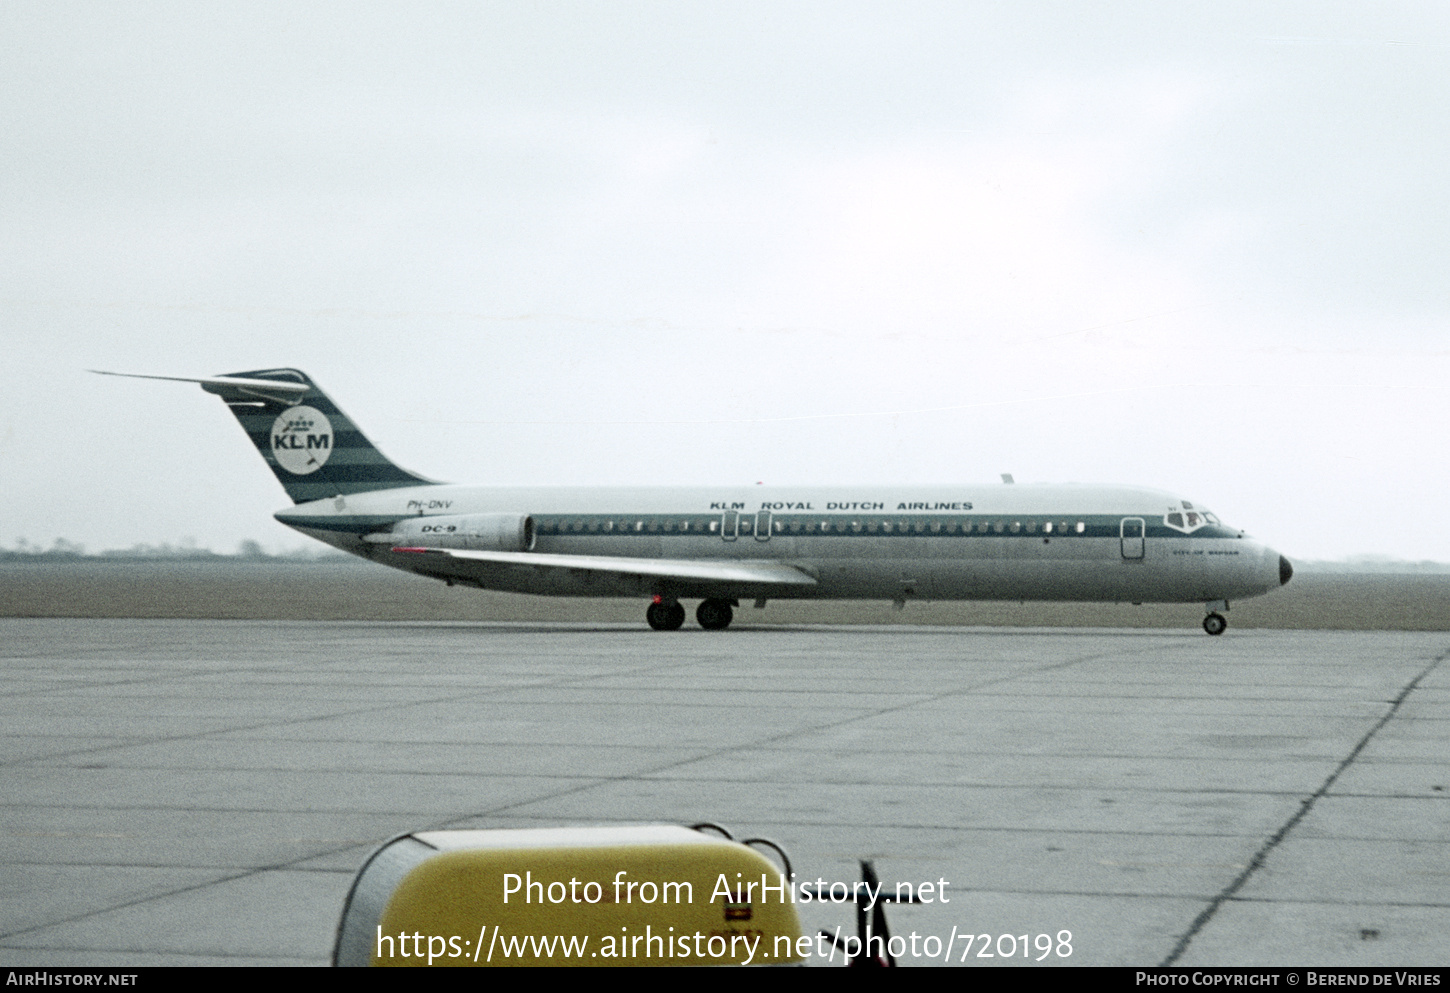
x=1257, y=862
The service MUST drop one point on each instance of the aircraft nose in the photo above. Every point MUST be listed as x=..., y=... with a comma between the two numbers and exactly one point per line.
x=1286, y=571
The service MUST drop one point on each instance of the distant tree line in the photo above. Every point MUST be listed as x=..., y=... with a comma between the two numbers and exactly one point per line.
x=62, y=550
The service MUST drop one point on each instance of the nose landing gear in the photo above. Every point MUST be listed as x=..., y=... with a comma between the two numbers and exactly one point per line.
x=1215, y=623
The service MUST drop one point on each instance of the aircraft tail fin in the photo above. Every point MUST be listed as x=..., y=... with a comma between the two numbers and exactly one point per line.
x=313, y=448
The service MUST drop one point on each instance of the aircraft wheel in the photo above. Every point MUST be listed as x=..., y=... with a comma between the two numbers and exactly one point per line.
x=1214, y=624
x=714, y=615
x=665, y=616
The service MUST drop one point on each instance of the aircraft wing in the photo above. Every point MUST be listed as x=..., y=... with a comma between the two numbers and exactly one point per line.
x=755, y=572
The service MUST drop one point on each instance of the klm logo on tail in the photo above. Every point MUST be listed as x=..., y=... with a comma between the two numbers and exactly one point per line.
x=302, y=440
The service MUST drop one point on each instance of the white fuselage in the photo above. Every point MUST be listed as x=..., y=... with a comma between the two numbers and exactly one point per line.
x=1011, y=542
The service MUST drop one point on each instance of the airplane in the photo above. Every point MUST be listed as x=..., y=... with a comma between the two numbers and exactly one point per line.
x=724, y=545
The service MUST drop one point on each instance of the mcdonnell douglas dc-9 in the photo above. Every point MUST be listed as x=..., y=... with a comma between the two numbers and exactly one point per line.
x=724, y=545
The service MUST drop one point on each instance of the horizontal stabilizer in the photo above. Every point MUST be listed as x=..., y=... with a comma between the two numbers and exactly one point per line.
x=267, y=389
x=709, y=570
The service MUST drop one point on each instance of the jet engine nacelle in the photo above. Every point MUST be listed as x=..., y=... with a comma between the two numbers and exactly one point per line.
x=479, y=532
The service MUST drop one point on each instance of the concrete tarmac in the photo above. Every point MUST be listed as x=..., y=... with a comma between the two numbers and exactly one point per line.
x=202, y=792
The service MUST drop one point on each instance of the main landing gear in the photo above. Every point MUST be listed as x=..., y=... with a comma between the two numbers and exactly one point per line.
x=667, y=614
x=1215, y=623
x=714, y=615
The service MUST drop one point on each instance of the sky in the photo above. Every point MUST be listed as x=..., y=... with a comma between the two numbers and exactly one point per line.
x=1197, y=247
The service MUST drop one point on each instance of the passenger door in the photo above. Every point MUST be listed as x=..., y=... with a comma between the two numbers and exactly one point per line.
x=1130, y=533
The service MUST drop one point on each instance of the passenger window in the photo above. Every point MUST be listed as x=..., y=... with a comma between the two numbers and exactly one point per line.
x=714, y=526
x=1081, y=527
x=1047, y=527
x=1016, y=526
x=999, y=527
x=1031, y=527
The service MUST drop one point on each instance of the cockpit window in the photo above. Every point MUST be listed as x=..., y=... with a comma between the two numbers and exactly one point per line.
x=1186, y=518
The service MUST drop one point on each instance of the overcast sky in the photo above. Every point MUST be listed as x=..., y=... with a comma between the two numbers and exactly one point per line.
x=1197, y=247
